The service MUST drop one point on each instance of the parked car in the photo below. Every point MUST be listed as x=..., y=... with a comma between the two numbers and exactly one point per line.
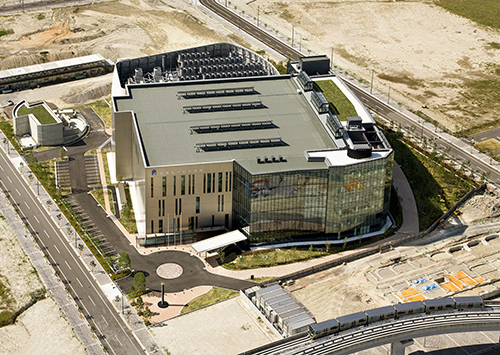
x=10, y=102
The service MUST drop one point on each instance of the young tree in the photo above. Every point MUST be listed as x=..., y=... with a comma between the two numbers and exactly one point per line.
x=124, y=261
x=139, y=282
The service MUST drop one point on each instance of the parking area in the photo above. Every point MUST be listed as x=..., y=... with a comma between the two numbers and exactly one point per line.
x=92, y=170
x=97, y=236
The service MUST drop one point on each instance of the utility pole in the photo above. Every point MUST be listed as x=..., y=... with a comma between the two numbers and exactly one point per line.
x=371, y=85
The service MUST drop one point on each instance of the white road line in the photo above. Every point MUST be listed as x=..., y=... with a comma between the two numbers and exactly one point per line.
x=57, y=249
x=18, y=192
x=37, y=221
x=47, y=234
x=1, y=168
x=26, y=203
x=105, y=320
x=77, y=279
x=453, y=340
x=91, y=301
x=118, y=340
x=59, y=236
x=8, y=178
x=67, y=264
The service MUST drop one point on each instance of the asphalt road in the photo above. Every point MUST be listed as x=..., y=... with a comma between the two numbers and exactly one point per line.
x=110, y=327
x=15, y=7
x=384, y=110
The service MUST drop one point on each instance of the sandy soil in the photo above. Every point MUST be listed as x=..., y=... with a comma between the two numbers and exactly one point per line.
x=41, y=330
x=367, y=283
x=44, y=317
x=428, y=55
x=125, y=29
x=16, y=270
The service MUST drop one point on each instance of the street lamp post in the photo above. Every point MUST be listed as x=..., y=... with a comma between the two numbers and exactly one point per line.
x=371, y=84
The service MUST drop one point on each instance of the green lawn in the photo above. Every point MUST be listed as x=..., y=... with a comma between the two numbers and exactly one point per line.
x=339, y=104
x=213, y=296
x=271, y=257
x=42, y=115
x=484, y=12
x=436, y=186
x=102, y=109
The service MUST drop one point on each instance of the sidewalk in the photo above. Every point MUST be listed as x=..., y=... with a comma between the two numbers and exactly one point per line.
x=109, y=288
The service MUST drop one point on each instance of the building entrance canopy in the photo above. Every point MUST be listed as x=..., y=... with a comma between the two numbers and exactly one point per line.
x=219, y=241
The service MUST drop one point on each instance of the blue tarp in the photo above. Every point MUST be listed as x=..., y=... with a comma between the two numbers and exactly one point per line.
x=430, y=287
x=416, y=282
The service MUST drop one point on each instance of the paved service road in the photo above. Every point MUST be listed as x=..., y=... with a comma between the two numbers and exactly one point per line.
x=386, y=111
x=113, y=331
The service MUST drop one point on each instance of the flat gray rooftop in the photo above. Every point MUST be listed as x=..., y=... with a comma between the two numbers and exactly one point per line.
x=164, y=120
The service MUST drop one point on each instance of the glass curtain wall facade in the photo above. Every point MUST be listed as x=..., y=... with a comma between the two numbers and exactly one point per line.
x=359, y=197
x=341, y=201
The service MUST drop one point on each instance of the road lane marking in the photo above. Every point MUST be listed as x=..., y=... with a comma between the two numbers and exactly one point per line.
x=67, y=264
x=117, y=339
x=1, y=168
x=37, y=221
x=92, y=301
x=77, y=279
x=26, y=203
x=58, y=250
x=105, y=320
x=18, y=192
x=59, y=236
x=47, y=234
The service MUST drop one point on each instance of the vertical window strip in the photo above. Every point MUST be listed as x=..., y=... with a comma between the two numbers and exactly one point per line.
x=163, y=208
x=230, y=174
x=151, y=187
x=226, y=180
x=189, y=186
x=222, y=203
x=164, y=186
x=183, y=184
x=176, y=206
x=175, y=183
x=204, y=182
x=193, y=185
x=213, y=182
x=218, y=203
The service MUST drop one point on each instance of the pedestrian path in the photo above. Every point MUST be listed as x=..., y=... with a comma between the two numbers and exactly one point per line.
x=92, y=265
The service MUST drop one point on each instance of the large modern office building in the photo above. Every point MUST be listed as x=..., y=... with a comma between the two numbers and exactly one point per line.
x=213, y=138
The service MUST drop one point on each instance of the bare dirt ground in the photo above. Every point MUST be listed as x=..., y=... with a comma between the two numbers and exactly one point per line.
x=378, y=281
x=16, y=271
x=124, y=29
x=41, y=330
x=426, y=54
x=44, y=317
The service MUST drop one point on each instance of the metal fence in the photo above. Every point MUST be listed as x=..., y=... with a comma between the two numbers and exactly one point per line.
x=378, y=248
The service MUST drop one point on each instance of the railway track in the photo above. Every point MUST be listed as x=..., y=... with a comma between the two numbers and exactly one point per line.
x=256, y=32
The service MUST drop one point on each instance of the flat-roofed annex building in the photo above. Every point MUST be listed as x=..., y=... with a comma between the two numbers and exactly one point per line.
x=246, y=149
